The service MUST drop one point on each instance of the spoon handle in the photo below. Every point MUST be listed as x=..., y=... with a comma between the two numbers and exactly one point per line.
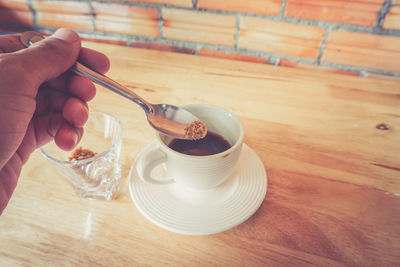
x=30, y=37
x=109, y=83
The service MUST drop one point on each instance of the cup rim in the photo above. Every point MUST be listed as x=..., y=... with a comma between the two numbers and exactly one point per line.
x=238, y=143
x=84, y=161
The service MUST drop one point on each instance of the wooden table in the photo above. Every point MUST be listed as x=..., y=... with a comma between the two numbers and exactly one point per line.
x=330, y=145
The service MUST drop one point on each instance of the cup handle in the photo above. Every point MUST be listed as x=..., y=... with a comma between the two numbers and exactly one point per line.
x=147, y=162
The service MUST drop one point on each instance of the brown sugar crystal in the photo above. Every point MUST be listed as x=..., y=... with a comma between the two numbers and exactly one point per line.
x=195, y=130
x=79, y=154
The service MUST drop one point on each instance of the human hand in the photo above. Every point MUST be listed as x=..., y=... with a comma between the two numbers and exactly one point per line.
x=39, y=100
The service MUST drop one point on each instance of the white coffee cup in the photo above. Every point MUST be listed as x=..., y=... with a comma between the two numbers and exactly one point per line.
x=196, y=172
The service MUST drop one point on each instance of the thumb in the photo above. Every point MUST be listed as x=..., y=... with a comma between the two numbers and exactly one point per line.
x=50, y=57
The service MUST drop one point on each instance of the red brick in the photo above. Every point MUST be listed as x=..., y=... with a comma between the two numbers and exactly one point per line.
x=362, y=12
x=280, y=37
x=126, y=19
x=61, y=7
x=363, y=50
x=233, y=56
x=15, y=4
x=266, y=7
x=392, y=20
x=16, y=16
x=200, y=27
x=72, y=21
x=56, y=14
x=162, y=47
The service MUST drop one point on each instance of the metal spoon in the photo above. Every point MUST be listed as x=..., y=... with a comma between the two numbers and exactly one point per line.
x=164, y=118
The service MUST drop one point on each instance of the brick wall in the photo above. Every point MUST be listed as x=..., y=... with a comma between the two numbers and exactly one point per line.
x=356, y=37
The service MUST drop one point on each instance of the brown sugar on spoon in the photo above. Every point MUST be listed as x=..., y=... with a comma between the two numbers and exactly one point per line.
x=80, y=154
x=195, y=130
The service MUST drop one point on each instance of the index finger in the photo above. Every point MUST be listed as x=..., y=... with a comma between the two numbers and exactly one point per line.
x=10, y=43
x=94, y=59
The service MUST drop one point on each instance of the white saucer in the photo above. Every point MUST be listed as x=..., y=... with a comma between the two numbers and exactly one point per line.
x=192, y=212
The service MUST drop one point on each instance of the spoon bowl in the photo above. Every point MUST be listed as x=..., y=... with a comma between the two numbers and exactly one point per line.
x=170, y=120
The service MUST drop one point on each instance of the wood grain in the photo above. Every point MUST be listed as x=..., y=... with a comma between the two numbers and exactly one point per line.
x=333, y=177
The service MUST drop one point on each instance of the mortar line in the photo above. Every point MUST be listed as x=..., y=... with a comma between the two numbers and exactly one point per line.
x=300, y=21
x=381, y=15
x=237, y=32
x=148, y=5
x=93, y=14
x=275, y=58
x=34, y=15
x=362, y=74
x=322, y=46
x=280, y=17
x=160, y=23
x=282, y=9
x=359, y=69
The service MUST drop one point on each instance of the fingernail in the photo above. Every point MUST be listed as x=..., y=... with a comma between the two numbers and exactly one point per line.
x=75, y=137
x=55, y=122
x=66, y=35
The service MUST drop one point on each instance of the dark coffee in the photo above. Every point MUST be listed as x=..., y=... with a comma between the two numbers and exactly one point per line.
x=209, y=145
